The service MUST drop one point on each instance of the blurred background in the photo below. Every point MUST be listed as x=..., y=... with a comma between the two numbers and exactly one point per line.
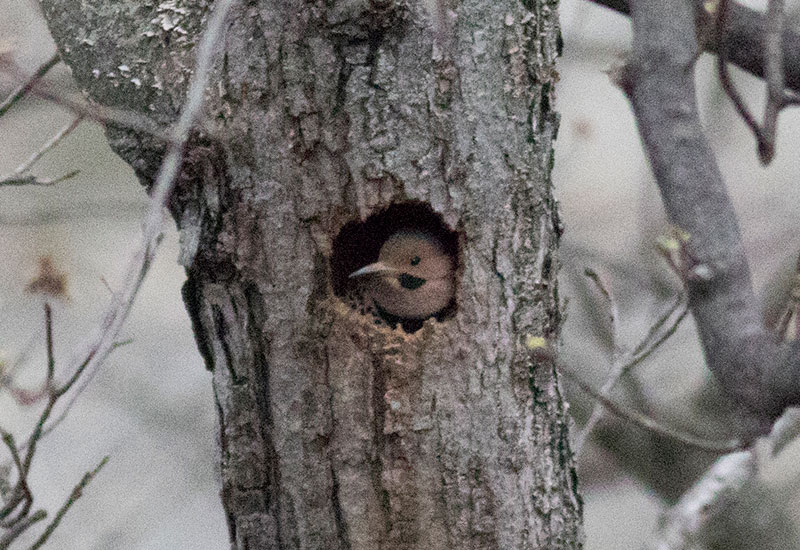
x=151, y=407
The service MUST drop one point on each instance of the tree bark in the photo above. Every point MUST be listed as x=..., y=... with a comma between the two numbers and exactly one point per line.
x=335, y=432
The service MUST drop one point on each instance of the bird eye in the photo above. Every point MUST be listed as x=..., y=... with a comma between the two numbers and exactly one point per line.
x=415, y=260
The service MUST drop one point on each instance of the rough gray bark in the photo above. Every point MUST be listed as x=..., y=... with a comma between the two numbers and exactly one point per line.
x=336, y=433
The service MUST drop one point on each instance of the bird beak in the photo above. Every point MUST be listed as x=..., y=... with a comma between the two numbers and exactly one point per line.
x=377, y=267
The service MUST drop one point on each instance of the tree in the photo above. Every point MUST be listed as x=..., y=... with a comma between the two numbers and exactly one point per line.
x=371, y=117
x=336, y=433
x=754, y=367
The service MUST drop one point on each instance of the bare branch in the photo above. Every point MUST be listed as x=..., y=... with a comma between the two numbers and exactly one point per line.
x=743, y=40
x=52, y=142
x=21, y=357
x=21, y=491
x=616, y=354
x=785, y=431
x=745, y=359
x=724, y=76
x=76, y=493
x=33, y=440
x=774, y=76
x=708, y=498
x=613, y=310
x=773, y=71
x=654, y=338
x=20, y=527
x=17, y=178
x=624, y=361
x=648, y=423
x=759, y=44
x=28, y=84
x=21, y=494
x=99, y=113
x=103, y=340
x=19, y=181
x=48, y=327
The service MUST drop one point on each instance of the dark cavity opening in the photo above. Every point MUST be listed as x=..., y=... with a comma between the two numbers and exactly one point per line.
x=358, y=244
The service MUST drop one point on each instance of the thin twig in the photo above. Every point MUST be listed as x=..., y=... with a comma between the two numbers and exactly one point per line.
x=777, y=99
x=22, y=492
x=99, y=113
x=650, y=424
x=8, y=370
x=594, y=417
x=773, y=59
x=55, y=140
x=48, y=327
x=791, y=99
x=16, y=177
x=20, y=527
x=651, y=342
x=24, y=354
x=28, y=84
x=724, y=76
x=28, y=179
x=623, y=362
x=77, y=492
x=679, y=302
x=103, y=341
x=613, y=310
x=616, y=355
x=36, y=435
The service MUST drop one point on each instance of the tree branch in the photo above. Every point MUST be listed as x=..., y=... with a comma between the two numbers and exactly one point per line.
x=102, y=114
x=104, y=340
x=624, y=360
x=19, y=176
x=76, y=493
x=28, y=84
x=648, y=423
x=659, y=81
x=744, y=41
x=711, y=496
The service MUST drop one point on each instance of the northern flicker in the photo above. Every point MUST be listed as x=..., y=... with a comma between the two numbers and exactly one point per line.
x=413, y=279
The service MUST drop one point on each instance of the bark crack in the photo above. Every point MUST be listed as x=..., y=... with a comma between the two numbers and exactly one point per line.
x=378, y=423
x=221, y=333
x=260, y=369
x=342, y=529
x=230, y=515
x=443, y=478
x=341, y=524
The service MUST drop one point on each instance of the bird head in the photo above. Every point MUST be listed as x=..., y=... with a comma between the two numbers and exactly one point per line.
x=414, y=275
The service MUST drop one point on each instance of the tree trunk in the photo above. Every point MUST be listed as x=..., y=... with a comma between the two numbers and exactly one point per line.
x=337, y=432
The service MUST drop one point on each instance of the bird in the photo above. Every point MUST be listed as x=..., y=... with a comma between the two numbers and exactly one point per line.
x=413, y=279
